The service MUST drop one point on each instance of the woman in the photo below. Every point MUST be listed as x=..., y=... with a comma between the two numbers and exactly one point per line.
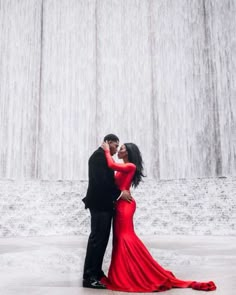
x=132, y=267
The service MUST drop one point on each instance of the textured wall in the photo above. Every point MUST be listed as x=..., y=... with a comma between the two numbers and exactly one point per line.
x=186, y=207
x=161, y=73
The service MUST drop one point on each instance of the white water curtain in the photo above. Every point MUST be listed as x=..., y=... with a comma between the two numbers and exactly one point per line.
x=160, y=73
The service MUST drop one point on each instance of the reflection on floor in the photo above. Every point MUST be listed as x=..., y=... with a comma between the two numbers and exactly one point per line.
x=53, y=265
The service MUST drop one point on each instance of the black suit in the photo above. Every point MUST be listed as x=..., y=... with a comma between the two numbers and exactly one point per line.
x=100, y=197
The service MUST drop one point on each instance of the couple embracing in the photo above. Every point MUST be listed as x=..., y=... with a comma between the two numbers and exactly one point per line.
x=132, y=268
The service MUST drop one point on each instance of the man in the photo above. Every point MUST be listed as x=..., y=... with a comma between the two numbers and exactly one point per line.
x=101, y=195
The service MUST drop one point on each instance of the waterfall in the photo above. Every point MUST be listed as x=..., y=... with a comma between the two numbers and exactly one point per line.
x=160, y=73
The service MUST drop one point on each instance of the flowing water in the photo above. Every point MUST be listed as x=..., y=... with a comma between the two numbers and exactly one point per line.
x=160, y=73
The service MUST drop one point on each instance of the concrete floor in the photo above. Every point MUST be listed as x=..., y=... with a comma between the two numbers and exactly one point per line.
x=53, y=265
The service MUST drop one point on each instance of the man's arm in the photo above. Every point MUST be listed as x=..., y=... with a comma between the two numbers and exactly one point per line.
x=125, y=195
x=98, y=174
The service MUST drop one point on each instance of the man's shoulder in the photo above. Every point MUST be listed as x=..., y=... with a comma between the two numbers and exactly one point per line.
x=99, y=153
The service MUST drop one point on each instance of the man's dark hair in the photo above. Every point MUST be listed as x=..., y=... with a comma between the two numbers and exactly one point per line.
x=111, y=137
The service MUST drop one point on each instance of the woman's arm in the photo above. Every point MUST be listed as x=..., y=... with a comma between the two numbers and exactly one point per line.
x=121, y=167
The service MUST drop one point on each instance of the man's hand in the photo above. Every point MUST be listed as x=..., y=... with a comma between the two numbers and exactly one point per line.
x=125, y=195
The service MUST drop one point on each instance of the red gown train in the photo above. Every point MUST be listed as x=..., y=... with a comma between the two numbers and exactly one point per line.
x=132, y=267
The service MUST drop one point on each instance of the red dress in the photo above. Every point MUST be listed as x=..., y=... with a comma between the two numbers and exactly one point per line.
x=132, y=267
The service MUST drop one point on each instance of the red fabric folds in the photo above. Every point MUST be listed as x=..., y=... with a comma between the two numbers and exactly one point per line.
x=132, y=267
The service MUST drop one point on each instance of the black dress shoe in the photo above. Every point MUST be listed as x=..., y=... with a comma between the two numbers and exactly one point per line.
x=93, y=283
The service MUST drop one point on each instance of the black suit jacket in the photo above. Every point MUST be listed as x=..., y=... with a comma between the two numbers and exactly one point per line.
x=102, y=190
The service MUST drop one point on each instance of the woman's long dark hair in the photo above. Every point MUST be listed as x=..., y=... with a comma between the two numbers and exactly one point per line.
x=135, y=157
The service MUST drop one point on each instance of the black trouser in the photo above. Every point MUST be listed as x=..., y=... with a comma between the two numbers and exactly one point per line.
x=97, y=243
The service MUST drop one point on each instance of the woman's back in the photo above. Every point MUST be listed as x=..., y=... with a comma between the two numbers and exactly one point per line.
x=132, y=267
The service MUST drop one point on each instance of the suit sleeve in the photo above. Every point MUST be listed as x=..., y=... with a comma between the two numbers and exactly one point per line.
x=98, y=168
x=121, y=167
